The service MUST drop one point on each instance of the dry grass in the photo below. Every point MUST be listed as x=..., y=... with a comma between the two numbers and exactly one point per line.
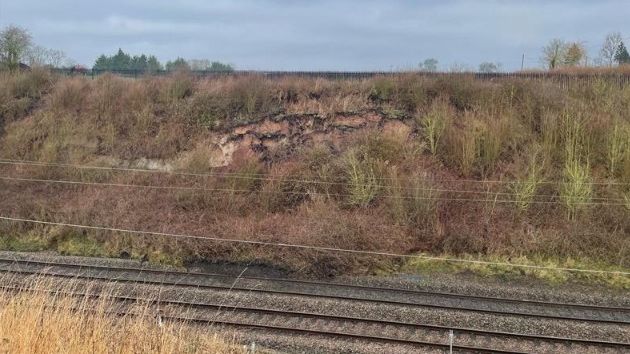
x=50, y=322
x=349, y=194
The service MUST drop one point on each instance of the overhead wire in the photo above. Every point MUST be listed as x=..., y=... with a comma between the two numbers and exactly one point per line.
x=255, y=176
x=309, y=247
x=305, y=193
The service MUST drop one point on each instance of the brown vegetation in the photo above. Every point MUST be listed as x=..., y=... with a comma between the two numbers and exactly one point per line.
x=398, y=164
x=50, y=322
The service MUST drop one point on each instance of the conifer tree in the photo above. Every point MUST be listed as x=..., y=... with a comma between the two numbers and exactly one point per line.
x=622, y=56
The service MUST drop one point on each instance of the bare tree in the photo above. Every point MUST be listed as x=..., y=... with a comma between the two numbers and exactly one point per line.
x=609, y=48
x=14, y=44
x=459, y=68
x=40, y=56
x=553, y=53
x=199, y=64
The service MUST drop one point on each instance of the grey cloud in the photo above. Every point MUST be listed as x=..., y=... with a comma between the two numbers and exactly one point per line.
x=326, y=34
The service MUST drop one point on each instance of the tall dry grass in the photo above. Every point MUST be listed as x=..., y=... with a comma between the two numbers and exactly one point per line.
x=53, y=322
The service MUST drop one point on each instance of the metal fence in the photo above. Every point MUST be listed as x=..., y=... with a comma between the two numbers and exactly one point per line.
x=564, y=79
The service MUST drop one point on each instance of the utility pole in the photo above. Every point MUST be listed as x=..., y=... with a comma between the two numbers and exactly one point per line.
x=522, y=61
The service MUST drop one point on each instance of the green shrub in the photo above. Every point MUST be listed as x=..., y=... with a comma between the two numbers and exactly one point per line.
x=80, y=245
x=525, y=189
x=435, y=122
x=382, y=90
x=362, y=178
x=577, y=189
x=618, y=145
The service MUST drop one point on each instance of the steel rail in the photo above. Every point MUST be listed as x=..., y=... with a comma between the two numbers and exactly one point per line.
x=313, y=315
x=234, y=287
x=321, y=283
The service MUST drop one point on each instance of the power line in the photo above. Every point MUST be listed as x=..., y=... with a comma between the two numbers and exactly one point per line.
x=231, y=190
x=261, y=176
x=316, y=248
x=419, y=189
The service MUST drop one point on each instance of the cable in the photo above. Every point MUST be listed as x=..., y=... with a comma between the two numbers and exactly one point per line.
x=330, y=194
x=316, y=248
x=228, y=190
x=256, y=176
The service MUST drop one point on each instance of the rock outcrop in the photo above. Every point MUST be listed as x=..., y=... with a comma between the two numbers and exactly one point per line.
x=285, y=134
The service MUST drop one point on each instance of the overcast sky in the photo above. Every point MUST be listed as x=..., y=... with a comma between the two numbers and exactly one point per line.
x=319, y=34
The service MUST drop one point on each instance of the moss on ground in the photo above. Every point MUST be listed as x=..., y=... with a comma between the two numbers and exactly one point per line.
x=552, y=274
x=76, y=244
x=26, y=243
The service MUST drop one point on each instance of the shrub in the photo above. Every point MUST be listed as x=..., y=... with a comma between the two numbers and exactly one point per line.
x=550, y=135
x=462, y=91
x=491, y=144
x=286, y=188
x=180, y=86
x=618, y=144
x=32, y=84
x=382, y=90
x=105, y=100
x=435, y=122
x=412, y=201
x=576, y=189
x=206, y=110
x=70, y=95
x=385, y=147
x=362, y=178
x=524, y=190
x=20, y=91
x=246, y=175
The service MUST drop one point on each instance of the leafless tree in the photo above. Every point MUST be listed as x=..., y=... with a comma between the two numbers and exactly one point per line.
x=609, y=48
x=40, y=56
x=199, y=64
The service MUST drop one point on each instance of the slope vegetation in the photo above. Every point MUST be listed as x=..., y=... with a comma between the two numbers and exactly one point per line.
x=507, y=169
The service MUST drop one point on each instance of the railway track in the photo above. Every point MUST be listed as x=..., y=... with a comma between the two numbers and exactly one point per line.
x=350, y=327
x=398, y=333
x=327, y=290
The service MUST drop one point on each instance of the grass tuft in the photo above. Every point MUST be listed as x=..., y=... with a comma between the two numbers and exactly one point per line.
x=49, y=322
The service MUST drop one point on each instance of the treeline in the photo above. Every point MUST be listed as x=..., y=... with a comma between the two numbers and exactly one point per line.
x=559, y=53
x=143, y=62
x=18, y=49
